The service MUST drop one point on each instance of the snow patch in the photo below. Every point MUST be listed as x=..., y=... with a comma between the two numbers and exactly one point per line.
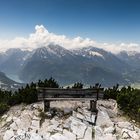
x=96, y=54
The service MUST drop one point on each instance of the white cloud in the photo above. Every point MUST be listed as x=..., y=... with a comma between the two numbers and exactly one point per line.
x=42, y=37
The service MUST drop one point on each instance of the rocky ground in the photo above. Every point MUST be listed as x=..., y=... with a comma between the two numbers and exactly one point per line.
x=71, y=121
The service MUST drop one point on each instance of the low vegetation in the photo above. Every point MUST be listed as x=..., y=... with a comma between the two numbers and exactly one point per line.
x=127, y=98
x=27, y=94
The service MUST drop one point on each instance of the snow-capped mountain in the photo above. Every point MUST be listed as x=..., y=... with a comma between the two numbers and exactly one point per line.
x=88, y=65
x=70, y=66
x=130, y=57
x=51, y=51
x=103, y=59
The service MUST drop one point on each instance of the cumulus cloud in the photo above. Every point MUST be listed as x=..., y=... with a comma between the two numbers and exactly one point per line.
x=42, y=37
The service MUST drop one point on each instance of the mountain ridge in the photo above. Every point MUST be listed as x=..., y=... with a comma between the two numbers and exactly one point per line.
x=88, y=65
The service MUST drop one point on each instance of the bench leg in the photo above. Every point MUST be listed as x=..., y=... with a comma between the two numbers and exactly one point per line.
x=46, y=105
x=93, y=106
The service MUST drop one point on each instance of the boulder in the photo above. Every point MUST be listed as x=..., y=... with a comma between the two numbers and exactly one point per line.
x=35, y=136
x=88, y=134
x=46, y=136
x=23, y=122
x=80, y=116
x=36, y=118
x=93, y=118
x=78, y=128
x=69, y=135
x=8, y=135
x=35, y=124
x=109, y=130
x=54, y=122
x=4, y=116
x=66, y=123
x=103, y=119
x=21, y=134
x=14, y=126
x=111, y=113
x=35, y=106
x=98, y=131
x=108, y=137
x=125, y=135
x=109, y=104
x=99, y=135
x=58, y=136
x=9, y=119
x=126, y=125
x=129, y=134
x=67, y=111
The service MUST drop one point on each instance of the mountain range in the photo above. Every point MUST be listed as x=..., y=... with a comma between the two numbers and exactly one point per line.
x=88, y=65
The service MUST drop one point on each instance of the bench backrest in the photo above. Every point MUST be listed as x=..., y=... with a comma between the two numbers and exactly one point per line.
x=56, y=93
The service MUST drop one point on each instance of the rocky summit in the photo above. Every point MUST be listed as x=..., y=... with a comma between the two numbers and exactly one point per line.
x=67, y=121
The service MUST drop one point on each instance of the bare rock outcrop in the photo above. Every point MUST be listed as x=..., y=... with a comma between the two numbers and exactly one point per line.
x=76, y=122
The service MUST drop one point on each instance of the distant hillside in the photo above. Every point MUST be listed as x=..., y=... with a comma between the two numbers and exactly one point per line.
x=68, y=66
x=7, y=83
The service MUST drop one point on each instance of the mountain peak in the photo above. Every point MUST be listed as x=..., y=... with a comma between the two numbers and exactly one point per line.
x=52, y=50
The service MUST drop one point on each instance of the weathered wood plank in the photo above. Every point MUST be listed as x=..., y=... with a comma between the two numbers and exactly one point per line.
x=55, y=94
x=72, y=99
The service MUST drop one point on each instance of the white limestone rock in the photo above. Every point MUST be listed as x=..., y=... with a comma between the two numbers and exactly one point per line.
x=80, y=116
x=8, y=135
x=109, y=130
x=111, y=113
x=109, y=104
x=4, y=116
x=22, y=135
x=35, y=136
x=36, y=118
x=98, y=131
x=14, y=126
x=36, y=106
x=35, y=124
x=99, y=135
x=14, y=118
x=69, y=135
x=80, y=110
x=88, y=119
x=66, y=124
x=44, y=126
x=9, y=119
x=103, y=119
x=130, y=134
x=46, y=136
x=54, y=122
x=126, y=125
x=78, y=128
x=58, y=136
x=125, y=135
x=93, y=118
x=23, y=122
x=88, y=134
x=67, y=111
x=109, y=137
x=54, y=128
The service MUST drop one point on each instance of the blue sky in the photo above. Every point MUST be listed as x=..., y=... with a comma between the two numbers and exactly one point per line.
x=102, y=20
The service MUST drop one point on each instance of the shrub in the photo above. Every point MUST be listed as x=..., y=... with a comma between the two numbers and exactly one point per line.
x=77, y=85
x=128, y=100
x=3, y=107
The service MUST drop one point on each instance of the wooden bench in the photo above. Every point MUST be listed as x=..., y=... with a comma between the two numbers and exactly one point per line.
x=56, y=94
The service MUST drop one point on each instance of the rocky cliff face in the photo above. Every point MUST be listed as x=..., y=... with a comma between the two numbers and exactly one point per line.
x=71, y=121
